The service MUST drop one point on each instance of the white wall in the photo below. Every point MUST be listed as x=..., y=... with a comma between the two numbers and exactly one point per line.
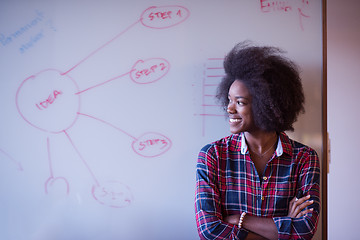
x=343, y=118
x=79, y=167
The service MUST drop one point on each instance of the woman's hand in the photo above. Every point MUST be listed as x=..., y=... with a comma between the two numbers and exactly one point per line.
x=297, y=206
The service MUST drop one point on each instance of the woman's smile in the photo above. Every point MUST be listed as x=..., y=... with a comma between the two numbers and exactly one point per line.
x=234, y=120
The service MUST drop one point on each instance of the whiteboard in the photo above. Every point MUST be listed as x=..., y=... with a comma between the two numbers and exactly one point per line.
x=105, y=105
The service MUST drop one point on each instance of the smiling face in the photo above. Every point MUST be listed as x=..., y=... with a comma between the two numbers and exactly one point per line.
x=240, y=108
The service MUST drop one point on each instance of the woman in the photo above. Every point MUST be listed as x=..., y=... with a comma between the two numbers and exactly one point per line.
x=258, y=183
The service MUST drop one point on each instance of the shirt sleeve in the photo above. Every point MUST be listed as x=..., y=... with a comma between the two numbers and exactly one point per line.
x=309, y=182
x=207, y=201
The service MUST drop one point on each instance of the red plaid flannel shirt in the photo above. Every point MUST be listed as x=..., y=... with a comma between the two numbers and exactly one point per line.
x=228, y=183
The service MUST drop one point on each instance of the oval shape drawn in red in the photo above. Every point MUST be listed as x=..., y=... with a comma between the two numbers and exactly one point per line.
x=149, y=70
x=164, y=16
x=113, y=194
x=48, y=101
x=151, y=144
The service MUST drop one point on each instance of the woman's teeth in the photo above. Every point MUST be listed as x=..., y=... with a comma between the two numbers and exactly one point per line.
x=232, y=120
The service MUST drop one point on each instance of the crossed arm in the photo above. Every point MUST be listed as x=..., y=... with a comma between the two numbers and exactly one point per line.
x=265, y=228
x=213, y=225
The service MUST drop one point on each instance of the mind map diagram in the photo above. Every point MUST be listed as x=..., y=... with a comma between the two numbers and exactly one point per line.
x=43, y=97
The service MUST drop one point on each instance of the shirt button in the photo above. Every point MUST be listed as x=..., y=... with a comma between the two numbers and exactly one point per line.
x=263, y=198
x=265, y=178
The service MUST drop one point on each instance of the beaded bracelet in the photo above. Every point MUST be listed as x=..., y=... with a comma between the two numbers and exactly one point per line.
x=241, y=220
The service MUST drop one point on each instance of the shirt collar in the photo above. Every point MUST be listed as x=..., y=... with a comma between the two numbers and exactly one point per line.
x=286, y=143
x=279, y=149
x=244, y=147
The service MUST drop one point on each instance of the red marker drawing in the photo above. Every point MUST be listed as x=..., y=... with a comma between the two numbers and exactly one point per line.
x=9, y=157
x=267, y=6
x=50, y=101
x=49, y=183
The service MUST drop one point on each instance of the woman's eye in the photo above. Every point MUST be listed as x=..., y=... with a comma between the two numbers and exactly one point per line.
x=240, y=103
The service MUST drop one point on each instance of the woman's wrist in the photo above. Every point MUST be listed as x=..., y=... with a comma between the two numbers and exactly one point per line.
x=241, y=219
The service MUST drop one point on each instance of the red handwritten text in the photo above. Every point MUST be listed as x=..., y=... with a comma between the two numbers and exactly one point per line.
x=268, y=5
x=113, y=194
x=149, y=70
x=164, y=16
x=160, y=15
x=152, y=142
x=151, y=145
x=50, y=100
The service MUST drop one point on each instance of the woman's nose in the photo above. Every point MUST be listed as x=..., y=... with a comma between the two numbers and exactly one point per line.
x=230, y=108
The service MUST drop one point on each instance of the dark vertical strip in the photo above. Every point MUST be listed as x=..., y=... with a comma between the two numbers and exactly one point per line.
x=325, y=150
